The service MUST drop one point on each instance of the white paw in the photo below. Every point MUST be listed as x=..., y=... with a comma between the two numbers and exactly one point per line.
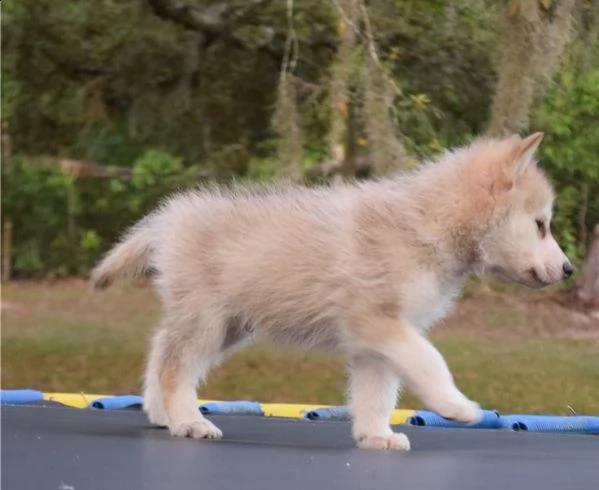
x=155, y=412
x=160, y=420
x=459, y=409
x=198, y=429
x=394, y=441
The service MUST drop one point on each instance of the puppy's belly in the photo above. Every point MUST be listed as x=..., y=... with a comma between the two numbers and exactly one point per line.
x=322, y=334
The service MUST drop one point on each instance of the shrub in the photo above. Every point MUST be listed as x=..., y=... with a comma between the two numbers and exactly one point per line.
x=569, y=154
x=61, y=226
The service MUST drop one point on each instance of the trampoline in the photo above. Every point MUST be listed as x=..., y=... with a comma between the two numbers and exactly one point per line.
x=46, y=444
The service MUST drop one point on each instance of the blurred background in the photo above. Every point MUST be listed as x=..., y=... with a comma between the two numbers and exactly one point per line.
x=108, y=105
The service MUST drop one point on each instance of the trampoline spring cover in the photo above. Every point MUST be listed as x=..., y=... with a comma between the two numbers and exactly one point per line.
x=492, y=419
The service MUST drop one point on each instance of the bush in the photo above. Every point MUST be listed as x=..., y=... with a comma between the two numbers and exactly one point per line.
x=569, y=154
x=61, y=226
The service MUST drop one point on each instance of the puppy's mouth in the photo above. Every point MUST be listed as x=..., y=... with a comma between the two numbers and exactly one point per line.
x=529, y=278
x=535, y=280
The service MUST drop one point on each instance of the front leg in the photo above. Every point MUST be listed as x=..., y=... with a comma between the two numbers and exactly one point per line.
x=373, y=395
x=423, y=370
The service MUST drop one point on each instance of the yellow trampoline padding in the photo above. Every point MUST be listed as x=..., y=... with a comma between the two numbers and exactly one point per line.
x=82, y=400
x=401, y=416
x=77, y=400
x=293, y=410
x=288, y=410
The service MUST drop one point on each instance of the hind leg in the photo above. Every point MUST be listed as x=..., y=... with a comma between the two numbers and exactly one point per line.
x=152, y=395
x=181, y=356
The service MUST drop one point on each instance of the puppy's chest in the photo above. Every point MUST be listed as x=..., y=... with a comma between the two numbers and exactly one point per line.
x=426, y=300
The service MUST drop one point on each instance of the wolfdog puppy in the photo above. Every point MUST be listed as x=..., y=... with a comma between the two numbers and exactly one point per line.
x=363, y=269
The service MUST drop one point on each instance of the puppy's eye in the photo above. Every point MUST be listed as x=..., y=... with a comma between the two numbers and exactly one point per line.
x=541, y=227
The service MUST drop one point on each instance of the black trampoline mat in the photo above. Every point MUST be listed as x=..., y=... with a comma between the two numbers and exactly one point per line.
x=62, y=448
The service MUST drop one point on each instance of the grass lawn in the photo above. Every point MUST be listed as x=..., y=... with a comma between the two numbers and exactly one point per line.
x=513, y=353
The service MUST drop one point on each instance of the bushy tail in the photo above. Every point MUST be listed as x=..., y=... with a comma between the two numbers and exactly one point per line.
x=127, y=259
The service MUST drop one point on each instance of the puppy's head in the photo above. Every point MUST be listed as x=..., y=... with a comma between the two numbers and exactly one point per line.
x=518, y=244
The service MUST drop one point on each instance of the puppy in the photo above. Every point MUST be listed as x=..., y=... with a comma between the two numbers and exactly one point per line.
x=365, y=269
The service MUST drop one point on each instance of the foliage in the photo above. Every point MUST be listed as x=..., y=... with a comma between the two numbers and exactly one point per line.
x=62, y=225
x=117, y=83
x=139, y=81
x=569, y=154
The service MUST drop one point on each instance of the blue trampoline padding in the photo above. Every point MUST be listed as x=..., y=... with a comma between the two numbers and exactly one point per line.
x=491, y=420
x=117, y=402
x=19, y=397
x=551, y=423
x=235, y=407
x=329, y=413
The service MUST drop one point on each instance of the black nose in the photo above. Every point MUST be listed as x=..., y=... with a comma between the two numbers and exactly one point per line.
x=568, y=269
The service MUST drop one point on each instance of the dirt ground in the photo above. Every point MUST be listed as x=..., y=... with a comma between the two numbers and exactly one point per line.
x=491, y=315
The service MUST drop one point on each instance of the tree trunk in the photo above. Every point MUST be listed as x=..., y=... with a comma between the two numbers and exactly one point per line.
x=534, y=38
x=588, y=292
x=6, y=262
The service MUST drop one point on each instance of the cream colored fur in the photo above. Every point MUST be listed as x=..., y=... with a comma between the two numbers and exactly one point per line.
x=363, y=269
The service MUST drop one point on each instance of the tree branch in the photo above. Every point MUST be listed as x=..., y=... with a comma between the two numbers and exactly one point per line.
x=216, y=21
x=213, y=19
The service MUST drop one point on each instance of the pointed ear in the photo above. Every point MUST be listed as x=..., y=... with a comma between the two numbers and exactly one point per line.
x=514, y=139
x=523, y=156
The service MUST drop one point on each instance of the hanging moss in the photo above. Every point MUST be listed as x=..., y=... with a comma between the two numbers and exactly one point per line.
x=343, y=71
x=535, y=34
x=362, y=96
x=385, y=148
x=286, y=122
